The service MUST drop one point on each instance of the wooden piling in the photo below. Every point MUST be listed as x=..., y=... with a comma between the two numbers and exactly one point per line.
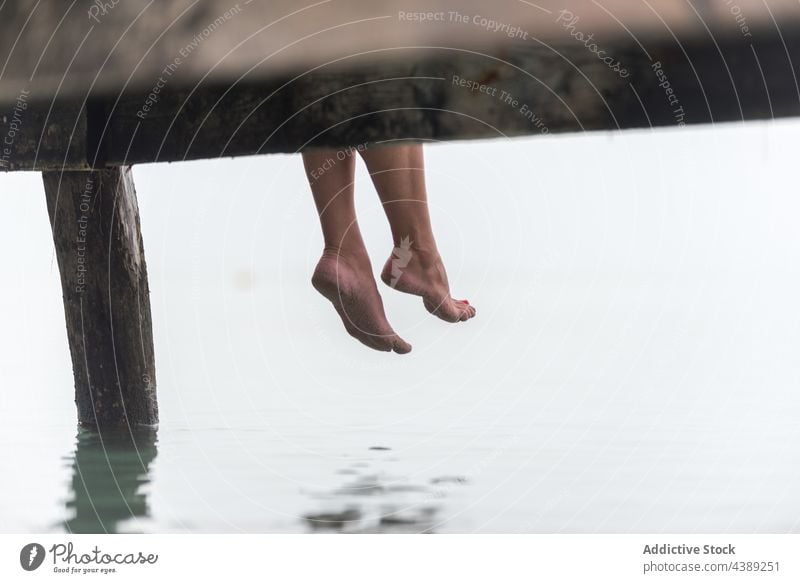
x=95, y=223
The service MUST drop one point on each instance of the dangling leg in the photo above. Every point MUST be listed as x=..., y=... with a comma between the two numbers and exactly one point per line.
x=415, y=266
x=344, y=274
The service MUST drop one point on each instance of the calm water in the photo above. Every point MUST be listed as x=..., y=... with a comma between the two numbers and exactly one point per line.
x=633, y=366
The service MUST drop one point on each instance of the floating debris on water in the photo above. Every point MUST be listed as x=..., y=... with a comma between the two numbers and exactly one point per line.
x=333, y=520
x=363, y=486
x=449, y=480
x=418, y=517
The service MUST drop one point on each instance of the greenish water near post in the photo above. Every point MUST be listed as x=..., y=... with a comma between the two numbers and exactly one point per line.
x=110, y=479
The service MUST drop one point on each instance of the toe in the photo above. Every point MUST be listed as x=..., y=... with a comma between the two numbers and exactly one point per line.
x=467, y=312
x=370, y=342
x=382, y=345
x=461, y=311
x=466, y=306
x=400, y=346
x=390, y=342
x=450, y=311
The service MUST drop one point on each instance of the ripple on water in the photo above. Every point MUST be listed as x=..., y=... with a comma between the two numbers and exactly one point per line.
x=375, y=501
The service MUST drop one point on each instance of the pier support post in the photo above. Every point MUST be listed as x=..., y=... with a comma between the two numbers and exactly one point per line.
x=95, y=222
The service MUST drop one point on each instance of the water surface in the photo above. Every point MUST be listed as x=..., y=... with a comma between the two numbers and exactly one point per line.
x=633, y=366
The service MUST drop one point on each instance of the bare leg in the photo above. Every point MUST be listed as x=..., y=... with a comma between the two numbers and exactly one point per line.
x=344, y=273
x=415, y=266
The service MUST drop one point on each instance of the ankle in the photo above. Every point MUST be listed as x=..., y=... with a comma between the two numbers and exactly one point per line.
x=355, y=256
x=425, y=257
x=422, y=249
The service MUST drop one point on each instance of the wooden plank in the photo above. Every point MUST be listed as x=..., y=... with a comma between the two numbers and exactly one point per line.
x=43, y=135
x=458, y=95
x=95, y=222
x=76, y=48
x=446, y=94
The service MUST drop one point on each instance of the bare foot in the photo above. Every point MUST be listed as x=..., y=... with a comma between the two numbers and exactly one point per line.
x=347, y=281
x=421, y=273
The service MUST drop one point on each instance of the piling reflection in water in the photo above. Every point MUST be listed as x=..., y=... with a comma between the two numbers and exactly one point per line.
x=110, y=475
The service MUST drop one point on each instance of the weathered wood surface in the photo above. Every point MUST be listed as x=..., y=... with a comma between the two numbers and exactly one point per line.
x=95, y=222
x=41, y=135
x=529, y=91
x=84, y=46
x=684, y=63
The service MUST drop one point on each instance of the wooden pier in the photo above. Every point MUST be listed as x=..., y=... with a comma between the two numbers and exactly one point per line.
x=89, y=88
